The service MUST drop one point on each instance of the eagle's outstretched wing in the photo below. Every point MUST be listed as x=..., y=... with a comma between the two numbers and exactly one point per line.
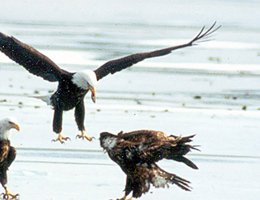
x=117, y=65
x=143, y=136
x=161, y=178
x=139, y=179
x=150, y=145
x=31, y=59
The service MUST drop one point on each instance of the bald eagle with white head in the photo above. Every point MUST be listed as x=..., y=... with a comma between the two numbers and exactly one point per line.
x=73, y=86
x=137, y=153
x=7, y=154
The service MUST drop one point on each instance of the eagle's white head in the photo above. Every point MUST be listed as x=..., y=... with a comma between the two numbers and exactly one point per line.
x=86, y=80
x=5, y=125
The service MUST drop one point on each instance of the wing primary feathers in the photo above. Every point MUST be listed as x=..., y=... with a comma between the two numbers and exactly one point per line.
x=206, y=34
x=117, y=65
x=181, y=182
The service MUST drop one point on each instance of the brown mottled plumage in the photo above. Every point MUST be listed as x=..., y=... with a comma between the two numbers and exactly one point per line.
x=137, y=153
x=7, y=156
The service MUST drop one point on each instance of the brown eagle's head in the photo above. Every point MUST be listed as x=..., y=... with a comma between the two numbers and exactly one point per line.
x=108, y=140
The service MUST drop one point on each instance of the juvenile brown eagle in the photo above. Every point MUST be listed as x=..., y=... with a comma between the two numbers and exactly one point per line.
x=137, y=153
x=7, y=154
x=73, y=86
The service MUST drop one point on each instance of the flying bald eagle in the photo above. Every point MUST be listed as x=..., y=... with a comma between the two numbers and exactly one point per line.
x=7, y=154
x=137, y=153
x=73, y=86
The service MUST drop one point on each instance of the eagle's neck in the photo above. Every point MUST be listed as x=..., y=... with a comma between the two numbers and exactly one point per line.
x=4, y=134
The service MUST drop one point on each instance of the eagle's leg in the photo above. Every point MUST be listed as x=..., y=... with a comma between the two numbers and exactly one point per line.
x=83, y=135
x=61, y=138
x=79, y=117
x=57, y=126
x=8, y=195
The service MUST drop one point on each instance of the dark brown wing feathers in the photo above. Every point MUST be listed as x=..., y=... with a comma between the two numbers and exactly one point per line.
x=117, y=65
x=4, y=150
x=40, y=65
x=141, y=136
x=31, y=59
x=156, y=145
x=7, y=156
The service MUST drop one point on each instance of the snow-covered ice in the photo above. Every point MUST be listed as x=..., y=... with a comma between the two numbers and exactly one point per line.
x=211, y=90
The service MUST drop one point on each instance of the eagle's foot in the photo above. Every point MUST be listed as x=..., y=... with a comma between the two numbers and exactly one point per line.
x=9, y=196
x=61, y=138
x=84, y=136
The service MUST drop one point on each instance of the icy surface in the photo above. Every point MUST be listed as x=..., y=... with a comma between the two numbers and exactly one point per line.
x=211, y=90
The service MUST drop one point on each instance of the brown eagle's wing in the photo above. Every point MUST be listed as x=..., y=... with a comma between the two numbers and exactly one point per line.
x=152, y=146
x=150, y=173
x=7, y=156
x=31, y=59
x=142, y=136
x=11, y=156
x=117, y=65
x=139, y=146
x=161, y=178
x=142, y=144
x=4, y=151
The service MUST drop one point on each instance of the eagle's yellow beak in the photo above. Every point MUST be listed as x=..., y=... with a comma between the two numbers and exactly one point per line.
x=15, y=126
x=93, y=94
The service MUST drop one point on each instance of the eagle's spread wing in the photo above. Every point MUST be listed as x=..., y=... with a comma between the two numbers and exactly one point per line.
x=161, y=178
x=31, y=59
x=140, y=178
x=117, y=65
x=152, y=146
x=141, y=136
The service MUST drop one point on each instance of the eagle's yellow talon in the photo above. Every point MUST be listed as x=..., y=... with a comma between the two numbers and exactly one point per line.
x=84, y=136
x=9, y=196
x=61, y=139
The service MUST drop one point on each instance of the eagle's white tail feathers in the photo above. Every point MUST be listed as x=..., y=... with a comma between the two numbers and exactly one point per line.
x=46, y=99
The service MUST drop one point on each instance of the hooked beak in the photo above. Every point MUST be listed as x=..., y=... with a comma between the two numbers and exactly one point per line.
x=15, y=126
x=93, y=94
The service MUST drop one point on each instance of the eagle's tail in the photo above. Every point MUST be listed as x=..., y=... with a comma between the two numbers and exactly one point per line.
x=177, y=147
x=46, y=99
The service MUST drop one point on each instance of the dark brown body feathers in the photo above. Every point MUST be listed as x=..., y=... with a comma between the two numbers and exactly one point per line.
x=137, y=153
